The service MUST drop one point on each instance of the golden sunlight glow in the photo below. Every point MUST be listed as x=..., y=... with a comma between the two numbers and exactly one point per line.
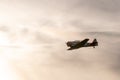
x=6, y=70
x=4, y=41
x=10, y=52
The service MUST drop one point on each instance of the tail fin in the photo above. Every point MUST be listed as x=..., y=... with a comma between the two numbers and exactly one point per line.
x=94, y=43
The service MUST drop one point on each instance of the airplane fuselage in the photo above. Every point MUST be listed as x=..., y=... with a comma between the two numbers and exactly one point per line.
x=79, y=44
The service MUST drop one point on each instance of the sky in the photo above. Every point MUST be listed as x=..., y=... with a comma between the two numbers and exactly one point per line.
x=88, y=15
x=33, y=34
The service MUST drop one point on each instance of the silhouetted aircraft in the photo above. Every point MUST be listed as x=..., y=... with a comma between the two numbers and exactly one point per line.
x=84, y=43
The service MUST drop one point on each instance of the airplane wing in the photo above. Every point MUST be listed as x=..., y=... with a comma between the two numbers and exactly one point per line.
x=77, y=44
x=84, y=41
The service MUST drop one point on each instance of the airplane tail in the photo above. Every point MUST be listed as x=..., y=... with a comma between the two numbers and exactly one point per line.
x=94, y=43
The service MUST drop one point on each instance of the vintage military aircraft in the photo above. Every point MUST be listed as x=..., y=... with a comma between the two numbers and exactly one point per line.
x=84, y=43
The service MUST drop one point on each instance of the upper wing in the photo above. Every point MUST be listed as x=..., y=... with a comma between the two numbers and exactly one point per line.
x=84, y=41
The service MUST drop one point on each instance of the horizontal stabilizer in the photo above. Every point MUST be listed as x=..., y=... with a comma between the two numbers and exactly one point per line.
x=95, y=43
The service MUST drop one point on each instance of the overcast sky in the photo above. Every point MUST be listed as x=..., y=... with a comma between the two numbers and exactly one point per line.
x=33, y=34
x=87, y=15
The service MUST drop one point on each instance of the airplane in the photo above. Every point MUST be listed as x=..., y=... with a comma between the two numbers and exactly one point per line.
x=79, y=44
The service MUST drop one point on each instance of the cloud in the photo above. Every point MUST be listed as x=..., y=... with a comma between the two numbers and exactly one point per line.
x=42, y=59
x=87, y=15
x=44, y=26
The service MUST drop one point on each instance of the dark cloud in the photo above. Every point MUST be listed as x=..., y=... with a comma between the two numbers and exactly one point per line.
x=4, y=29
x=111, y=6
